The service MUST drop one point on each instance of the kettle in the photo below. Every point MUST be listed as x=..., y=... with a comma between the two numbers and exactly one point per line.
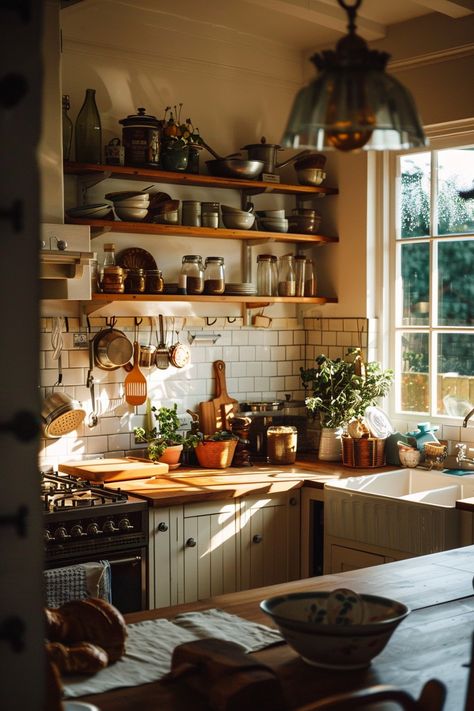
x=267, y=152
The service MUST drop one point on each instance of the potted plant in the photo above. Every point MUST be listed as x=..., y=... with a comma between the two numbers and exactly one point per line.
x=341, y=390
x=164, y=442
x=217, y=451
x=180, y=142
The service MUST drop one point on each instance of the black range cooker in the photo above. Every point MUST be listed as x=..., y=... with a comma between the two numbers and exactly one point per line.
x=86, y=522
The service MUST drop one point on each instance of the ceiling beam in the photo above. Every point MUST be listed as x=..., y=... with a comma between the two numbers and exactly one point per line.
x=322, y=14
x=452, y=8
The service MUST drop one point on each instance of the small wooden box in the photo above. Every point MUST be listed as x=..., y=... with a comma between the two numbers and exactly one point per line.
x=363, y=453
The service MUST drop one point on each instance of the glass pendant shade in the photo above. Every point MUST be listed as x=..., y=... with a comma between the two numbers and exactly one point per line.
x=353, y=104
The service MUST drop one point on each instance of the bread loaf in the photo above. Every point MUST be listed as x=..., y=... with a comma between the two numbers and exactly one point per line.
x=92, y=620
x=82, y=658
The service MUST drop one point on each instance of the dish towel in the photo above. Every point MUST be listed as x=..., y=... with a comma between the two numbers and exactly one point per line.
x=77, y=582
x=150, y=646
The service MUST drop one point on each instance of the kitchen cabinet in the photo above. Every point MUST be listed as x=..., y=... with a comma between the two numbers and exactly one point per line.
x=341, y=555
x=269, y=529
x=205, y=549
x=89, y=174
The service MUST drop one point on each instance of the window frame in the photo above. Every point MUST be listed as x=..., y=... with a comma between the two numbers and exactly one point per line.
x=456, y=134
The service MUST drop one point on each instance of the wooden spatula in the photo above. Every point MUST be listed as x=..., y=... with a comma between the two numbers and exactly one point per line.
x=135, y=382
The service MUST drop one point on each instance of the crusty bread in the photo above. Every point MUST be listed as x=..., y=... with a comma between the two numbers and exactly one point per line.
x=92, y=620
x=81, y=658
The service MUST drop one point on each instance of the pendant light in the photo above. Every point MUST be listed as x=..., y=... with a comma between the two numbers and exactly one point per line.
x=353, y=103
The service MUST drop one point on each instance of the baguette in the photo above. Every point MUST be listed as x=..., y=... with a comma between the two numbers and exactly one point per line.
x=92, y=620
x=83, y=658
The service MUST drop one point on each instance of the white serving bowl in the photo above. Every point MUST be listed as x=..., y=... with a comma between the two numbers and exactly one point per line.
x=140, y=203
x=273, y=224
x=229, y=208
x=351, y=638
x=273, y=213
x=132, y=214
x=238, y=220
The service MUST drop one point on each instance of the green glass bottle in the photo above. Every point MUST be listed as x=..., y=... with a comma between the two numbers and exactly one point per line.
x=67, y=128
x=88, y=131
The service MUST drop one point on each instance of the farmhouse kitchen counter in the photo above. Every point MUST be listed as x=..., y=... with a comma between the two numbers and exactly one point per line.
x=434, y=641
x=186, y=485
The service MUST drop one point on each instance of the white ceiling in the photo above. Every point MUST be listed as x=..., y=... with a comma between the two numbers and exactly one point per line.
x=301, y=24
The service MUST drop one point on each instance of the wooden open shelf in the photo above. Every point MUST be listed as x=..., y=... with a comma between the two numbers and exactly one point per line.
x=207, y=181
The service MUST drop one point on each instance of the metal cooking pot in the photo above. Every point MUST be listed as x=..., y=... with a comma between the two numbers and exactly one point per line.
x=232, y=166
x=112, y=349
x=61, y=414
x=267, y=152
x=261, y=406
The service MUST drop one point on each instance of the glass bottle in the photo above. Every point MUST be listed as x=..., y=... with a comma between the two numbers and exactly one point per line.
x=67, y=128
x=266, y=275
x=88, y=131
x=299, y=274
x=112, y=277
x=286, y=276
x=192, y=267
x=310, y=280
x=214, y=278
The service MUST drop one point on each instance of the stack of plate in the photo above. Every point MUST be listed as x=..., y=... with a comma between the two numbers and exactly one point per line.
x=98, y=211
x=242, y=289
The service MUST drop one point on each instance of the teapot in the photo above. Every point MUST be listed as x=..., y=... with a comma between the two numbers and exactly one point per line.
x=267, y=152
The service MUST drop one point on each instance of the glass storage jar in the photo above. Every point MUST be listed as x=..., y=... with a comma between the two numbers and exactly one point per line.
x=286, y=276
x=266, y=275
x=135, y=281
x=310, y=279
x=214, y=278
x=281, y=444
x=192, y=267
x=154, y=283
x=300, y=263
x=210, y=214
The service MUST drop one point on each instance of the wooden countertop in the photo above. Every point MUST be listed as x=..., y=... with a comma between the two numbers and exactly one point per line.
x=434, y=641
x=186, y=485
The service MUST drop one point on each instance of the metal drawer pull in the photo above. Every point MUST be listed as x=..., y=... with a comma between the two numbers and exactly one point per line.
x=18, y=520
x=162, y=527
x=13, y=630
x=257, y=538
x=124, y=561
x=191, y=542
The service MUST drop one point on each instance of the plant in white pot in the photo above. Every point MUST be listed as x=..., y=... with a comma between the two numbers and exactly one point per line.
x=341, y=390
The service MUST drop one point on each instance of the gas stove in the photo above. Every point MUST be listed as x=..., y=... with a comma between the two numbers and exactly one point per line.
x=61, y=492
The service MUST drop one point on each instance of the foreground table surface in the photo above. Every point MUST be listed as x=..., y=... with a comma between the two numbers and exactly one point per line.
x=434, y=641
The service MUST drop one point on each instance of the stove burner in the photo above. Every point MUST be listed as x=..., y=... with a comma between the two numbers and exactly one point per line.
x=59, y=492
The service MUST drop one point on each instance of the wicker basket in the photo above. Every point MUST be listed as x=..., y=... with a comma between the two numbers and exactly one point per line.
x=363, y=453
x=216, y=454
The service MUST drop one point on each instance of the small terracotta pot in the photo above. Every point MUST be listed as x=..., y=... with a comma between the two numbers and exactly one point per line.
x=171, y=454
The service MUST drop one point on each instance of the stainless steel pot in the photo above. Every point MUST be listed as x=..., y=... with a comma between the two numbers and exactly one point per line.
x=61, y=414
x=112, y=349
x=267, y=152
x=261, y=406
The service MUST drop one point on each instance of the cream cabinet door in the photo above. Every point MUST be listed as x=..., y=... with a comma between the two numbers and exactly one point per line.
x=165, y=534
x=343, y=559
x=269, y=539
x=208, y=556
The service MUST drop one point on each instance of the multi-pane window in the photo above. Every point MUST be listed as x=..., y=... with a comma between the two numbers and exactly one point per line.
x=434, y=313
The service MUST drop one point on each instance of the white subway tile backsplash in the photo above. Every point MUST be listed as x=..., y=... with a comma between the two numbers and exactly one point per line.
x=285, y=338
x=292, y=382
x=96, y=445
x=118, y=441
x=262, y=383
x=336, y=324
x=254, y=368
x=284, y=368
x=247, y=353
x=299, y=337
x=230, y=353
x=263, y=353
x=240, y=338
x=329, y=338
x=278, y=353
x=277, y=383
x=270, y=338
x=245, y=385
x=293, y=352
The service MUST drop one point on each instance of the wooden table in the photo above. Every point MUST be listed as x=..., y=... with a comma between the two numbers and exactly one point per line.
x=432, y=642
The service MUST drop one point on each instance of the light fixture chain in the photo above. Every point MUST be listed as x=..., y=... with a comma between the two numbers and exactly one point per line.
x=351, y=11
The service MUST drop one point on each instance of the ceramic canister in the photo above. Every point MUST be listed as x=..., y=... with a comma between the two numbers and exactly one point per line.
x=141, y=139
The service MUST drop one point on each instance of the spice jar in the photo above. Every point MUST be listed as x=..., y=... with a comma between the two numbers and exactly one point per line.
x=210, y=214
x=286, y=276
x=191, y=213
x=214, y=279
x=135, y=281
x=281, y=444
x=113, y=280
x=267, y=277
x=192, y=267
x=154, y=283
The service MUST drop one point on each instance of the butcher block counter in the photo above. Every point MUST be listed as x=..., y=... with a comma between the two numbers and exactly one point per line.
x=434, y=641
x=186, y=485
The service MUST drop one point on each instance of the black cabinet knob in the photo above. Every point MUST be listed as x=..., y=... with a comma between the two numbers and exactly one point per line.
x=258, y=538
x=191, y=543
x=293, y=501
x=162, y=527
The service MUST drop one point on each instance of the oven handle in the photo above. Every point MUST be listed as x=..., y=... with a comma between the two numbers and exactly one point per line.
x=124, y=561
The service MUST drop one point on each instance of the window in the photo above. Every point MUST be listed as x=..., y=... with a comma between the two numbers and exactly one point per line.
x=434, y=292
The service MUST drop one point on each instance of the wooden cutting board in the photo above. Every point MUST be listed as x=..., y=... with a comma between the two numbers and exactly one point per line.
x=116, y=469
x=207, y=418
x=223, y=403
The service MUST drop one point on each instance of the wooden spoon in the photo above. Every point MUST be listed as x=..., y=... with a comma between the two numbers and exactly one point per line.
x=135, y=382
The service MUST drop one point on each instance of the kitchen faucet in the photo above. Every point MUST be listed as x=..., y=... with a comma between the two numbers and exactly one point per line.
x=468, y=417
x=461, y=447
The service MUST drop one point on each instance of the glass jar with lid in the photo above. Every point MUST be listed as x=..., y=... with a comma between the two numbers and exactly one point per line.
x=214, y=277
x=135, y=281
x=267, y=275
x=286, y=276
x=192, y=268
x=281, y=444
x=154, y=283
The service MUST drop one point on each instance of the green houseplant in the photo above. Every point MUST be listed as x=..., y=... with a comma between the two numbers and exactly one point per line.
x=340, y=390
x=164, y=442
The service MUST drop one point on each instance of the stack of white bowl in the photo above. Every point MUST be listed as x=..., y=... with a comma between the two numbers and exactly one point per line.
x=235, y=219
x=272, y=221
x=129, y=205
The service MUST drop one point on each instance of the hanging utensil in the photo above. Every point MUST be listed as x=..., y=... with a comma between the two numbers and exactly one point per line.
x=180, y=353
x=92, y=420
x=135, y=382
x=162, y=353
x=147, y=352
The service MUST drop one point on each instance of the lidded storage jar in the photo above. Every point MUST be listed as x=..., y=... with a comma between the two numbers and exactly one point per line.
x=192, y=267
x=214, y=278
x=267, y=275
x=141, y=139
x=281, y=444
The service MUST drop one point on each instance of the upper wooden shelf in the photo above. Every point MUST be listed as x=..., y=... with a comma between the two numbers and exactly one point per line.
x=151, y=228
x=163, y=176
